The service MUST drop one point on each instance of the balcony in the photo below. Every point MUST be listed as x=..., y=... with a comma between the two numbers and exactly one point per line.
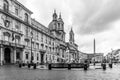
x=6, y=43
x=17, y=45
x=42, y=50
x=11, y=44
x=27, y=38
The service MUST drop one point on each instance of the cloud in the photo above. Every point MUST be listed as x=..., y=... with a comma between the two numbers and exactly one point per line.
x=96, y=16
x=105, y=41
x=89, y=18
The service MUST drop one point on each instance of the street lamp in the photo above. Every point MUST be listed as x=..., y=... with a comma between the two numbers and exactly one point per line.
x=31, y=64
x=31, y=46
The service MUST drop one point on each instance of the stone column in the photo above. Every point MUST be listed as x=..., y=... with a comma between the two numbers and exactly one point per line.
x=1, y=55
x=15, y=55
x=22, y=56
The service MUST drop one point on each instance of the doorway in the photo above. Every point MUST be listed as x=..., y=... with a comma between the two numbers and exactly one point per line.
x=7, y=55
x=42, y=58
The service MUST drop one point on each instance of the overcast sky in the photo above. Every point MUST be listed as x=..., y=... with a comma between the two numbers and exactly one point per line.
x=99, y=19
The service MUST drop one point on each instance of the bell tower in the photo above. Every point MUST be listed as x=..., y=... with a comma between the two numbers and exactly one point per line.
x=71, y=35
x=54, y=16
x=61, y=27
x=60, y=23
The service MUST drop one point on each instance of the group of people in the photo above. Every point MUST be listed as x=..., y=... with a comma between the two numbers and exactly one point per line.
x=103, y=64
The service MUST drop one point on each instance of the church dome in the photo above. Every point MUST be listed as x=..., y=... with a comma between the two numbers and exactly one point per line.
x=60, y=19
x=53, y=25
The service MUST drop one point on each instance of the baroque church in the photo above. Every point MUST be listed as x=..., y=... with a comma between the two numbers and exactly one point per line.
x=57, y=28
x=72, y=48
x=23, y=39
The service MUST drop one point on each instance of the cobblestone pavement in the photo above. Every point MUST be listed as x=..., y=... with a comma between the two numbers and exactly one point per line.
x=15, y=73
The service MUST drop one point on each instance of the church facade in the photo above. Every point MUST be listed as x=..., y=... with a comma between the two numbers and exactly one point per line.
x=23, y=39
x=72, y=49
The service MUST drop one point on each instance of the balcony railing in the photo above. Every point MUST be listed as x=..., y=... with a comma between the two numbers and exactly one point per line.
x=8, y=43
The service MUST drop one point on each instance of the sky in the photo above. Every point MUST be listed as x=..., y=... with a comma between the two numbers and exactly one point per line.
x=99, y=19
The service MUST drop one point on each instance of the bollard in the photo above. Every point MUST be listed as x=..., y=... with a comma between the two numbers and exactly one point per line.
x=29, y=65
x=110, y=65
x=85, y=66
x=34, y=66
x=69, y=66
x=20, y=65
x=23, y=64
x=49, y=67
x=104, y=66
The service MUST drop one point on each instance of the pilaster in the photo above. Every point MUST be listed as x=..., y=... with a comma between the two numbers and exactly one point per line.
x=14, y=55
x=1, y=54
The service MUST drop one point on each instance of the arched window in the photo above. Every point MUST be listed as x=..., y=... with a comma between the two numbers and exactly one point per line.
x=27, y=55
x=18, y=26
x=59, y=26
x=6, y=36
x=17, y=38
x=6, y=5
x=26, y=17
x=26, y=31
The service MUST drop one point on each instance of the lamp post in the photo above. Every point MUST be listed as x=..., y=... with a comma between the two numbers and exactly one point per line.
x=31, y=47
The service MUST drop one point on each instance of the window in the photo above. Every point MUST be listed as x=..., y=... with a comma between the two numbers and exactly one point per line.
x=59, y=26
x=37, y=45
x=42, y=46
x=18, y=41
x=27, y=55
x=46, y=47
x=17, y=26
x=16, y=11
x=50, y=49
x=32, y=33
x=32, y=44
x=18, y=55
x=26, y=17
x=6, y=38
x=37, y=36
x=6, y=6
x=46, y=40
x=41, y=37
x=26, y=43
x=7, y=23
x=53, y=57
x=53, y=49
x=26, y=31
x=53, y=43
